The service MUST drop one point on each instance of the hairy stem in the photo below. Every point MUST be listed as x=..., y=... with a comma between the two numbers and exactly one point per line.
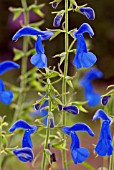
x=47, y=130
x=23, y=65
x=64, y=79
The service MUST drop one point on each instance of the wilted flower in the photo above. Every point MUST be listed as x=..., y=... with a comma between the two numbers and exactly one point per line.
x=83, y=58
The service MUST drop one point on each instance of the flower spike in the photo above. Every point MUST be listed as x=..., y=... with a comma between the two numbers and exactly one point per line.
x=88, y=12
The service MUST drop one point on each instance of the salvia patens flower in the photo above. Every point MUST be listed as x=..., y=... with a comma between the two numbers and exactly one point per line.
x=78, y=154
x=91, y=96
x=24, y=154
x=105, y=99
x=39, y=59
x=58, y=18
x=83, y=58
x=88, y=12
x=104, y=146
x=7, y=65
x=6, y=96
x=71, y=109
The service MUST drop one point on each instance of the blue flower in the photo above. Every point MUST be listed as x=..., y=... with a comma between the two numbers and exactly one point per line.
x=79, y=154
x=88, y=12
x=7, y=65
x=71, y=109
x=104, y=146
x=104, y=100
x=24, y=154
x=91, y=96
x=83, y=58
x=39, y=59
x=6, y=96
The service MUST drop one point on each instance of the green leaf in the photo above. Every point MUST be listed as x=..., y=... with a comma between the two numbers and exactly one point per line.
x=79, y=102
x=81, y=108
x=16, y=12
x=87, y=165
x=38, y=12
x=37, y=24
x=59, y=145
x=69, y=82
x=56, y=34
x=18, y=54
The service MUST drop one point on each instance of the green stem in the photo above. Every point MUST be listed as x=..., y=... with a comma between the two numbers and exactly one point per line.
x=23, y=65
x=64, y=79
x=111, y=164
x=47, y=130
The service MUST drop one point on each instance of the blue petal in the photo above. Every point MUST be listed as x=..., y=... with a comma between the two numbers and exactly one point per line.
x=7, y=65
x=38, y=45
x=23, y=125
x=78, y=127
x=84, y=28
x=26, y=142
x=72, y=109
x=37, y=106
x=75, y=141
x=88, y=59
x=24, y=154
x=39, y=60
x=92, y=97
x=57, y=20
x=27, y=31
x=88, y=12
x=101, y=115
x=2, y=88
x=104, y=146
x=6, y=97
x=91, y=75
x=83, y=59
x=104, y=100
x=79, y=155
x=52, y=123
x=54, y=4
x=60, y=107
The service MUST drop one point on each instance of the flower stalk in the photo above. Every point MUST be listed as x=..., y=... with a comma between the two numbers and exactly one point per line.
x=64, y=78
x=23, y=64
x=48, y=128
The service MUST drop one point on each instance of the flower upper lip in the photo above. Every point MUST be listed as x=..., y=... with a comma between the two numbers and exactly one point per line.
x=27, y=31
